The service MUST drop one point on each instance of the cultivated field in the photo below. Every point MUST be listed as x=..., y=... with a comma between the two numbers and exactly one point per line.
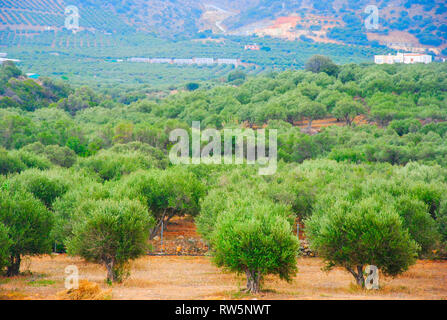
x=182, y=277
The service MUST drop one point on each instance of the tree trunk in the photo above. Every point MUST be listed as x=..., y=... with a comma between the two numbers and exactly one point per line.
x=348, y=121
x=157, y=227
x=360, y=279
x=165, y=225
x=290, y=120
x=14, y=266
x=358, y=276
x=111, y=275
x=309, y=125
x=253, y=281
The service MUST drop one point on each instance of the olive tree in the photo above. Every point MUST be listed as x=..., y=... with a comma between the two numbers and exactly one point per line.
x=75, y=205
x=256, y=240
x=421, y=226
x=347, y=109
x=61, y=156
x=10, y=163
x=217, y=202
x=44, y=185
x=355, y=234
x=113, y=165
x=28, y=225
x=312, y=111
x=114, y=233
x=318, y=63
x=166, y=193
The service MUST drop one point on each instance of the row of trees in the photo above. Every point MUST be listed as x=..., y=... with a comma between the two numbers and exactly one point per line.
x=107, y=223
x=354, y=216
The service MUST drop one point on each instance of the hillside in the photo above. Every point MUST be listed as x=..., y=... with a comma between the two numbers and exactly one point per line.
x=403, y=24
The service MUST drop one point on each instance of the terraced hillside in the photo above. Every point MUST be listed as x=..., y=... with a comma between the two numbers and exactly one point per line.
x=44, y=15
x=403, y=24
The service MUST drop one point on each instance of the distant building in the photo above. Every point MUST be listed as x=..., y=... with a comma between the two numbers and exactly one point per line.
x=6, y=59
x=199, y=61
x=203, y=60
x=33, y=75
x=139, y=60
x=161, y=60
x=3, y=54
x=234, y=62
x=183, y=61
x=407, y=58
x=252, y=47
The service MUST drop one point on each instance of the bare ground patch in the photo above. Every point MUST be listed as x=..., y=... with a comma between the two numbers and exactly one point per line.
x=183, y=277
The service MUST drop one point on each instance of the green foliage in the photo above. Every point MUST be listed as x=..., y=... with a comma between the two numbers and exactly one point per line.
x=254, y=241
x=5, y=245
x=312, y=111
x=353, y=235
x=406, y=126
x=346, y=154
x=421, y=226
x=9, y=70
x=114, y=233
x=167, y=193
x=291, y=188
x=318, y=63
x=294, y=146
x=191, y=86
x=220, y=201
x=347, y=109
x=236, y=75
x=31, y=160
x=441, y=219
x=292, y=193
x=28, y=225
x=111, y=165
x=75, y=205
x=60, y=156
x=43, y=185
x=21, y=93
x=82, y=98
x=10, y=163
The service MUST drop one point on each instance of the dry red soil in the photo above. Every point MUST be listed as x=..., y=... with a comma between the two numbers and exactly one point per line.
x=180, y=238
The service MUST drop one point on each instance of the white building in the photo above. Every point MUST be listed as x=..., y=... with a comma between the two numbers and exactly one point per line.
x=6, y=59
x=234, y=62
x=161, y=60
x=147, y=60
x=199, y=61
x=203, y=60
x=183, y=61
x=407, y=58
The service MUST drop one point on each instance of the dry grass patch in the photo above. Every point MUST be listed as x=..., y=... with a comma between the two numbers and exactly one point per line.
x=87, y=291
